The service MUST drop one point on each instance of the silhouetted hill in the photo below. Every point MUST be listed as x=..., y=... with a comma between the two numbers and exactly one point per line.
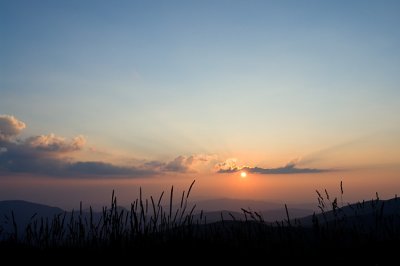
x=366, y=212
x=229, y=204
x=270, y=211
x=367, y=230
x=235, y=205
x=214, y=211
x=267, y=216
x=24, y=212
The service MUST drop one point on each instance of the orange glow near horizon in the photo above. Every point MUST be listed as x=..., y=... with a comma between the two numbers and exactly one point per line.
x=243, y=174
x=358, y=185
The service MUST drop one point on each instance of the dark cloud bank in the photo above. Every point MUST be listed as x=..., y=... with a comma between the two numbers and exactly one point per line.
x=48, y=155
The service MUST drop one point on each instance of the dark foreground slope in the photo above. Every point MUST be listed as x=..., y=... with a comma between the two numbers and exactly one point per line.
x=367, y=233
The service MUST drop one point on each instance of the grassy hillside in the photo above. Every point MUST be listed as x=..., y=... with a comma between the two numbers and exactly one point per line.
x=366, y=232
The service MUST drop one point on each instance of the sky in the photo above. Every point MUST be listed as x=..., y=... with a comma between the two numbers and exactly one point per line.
x=300, y=95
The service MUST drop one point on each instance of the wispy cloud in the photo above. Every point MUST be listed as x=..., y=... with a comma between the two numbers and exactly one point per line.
x=230, y=166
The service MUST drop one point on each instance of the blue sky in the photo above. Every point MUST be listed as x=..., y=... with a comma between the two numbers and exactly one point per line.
x=266, y=82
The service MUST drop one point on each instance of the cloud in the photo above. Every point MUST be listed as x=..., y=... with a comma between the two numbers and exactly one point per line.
x=203, y=158
x=10, y=127
x=182, y=164
x=47, y=155
x=153, y=165
x=185, y=164
x=179, y=164
x=38, y=154
x=22, y=158
x=107, y=169
x=230, y=166
x=53, y=143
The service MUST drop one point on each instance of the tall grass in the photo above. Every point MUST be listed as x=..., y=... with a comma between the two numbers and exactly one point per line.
x=149, y=223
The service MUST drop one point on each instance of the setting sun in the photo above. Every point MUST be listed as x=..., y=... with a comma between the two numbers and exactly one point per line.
x=243, y=174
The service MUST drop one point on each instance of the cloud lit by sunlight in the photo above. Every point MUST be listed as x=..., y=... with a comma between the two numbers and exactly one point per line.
x=10, y=127
x=230, y=166
x=55, y=143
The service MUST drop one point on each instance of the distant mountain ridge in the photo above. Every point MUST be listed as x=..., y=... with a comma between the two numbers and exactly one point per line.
x=215, y=210
x=365, y=212
x=230, y=204
x=23, y=208
x=24, y=212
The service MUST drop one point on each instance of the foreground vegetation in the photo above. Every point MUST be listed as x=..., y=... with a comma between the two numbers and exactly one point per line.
x=363, y=232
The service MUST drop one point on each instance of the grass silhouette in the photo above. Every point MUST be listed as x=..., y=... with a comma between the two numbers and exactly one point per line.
x=363, y=232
